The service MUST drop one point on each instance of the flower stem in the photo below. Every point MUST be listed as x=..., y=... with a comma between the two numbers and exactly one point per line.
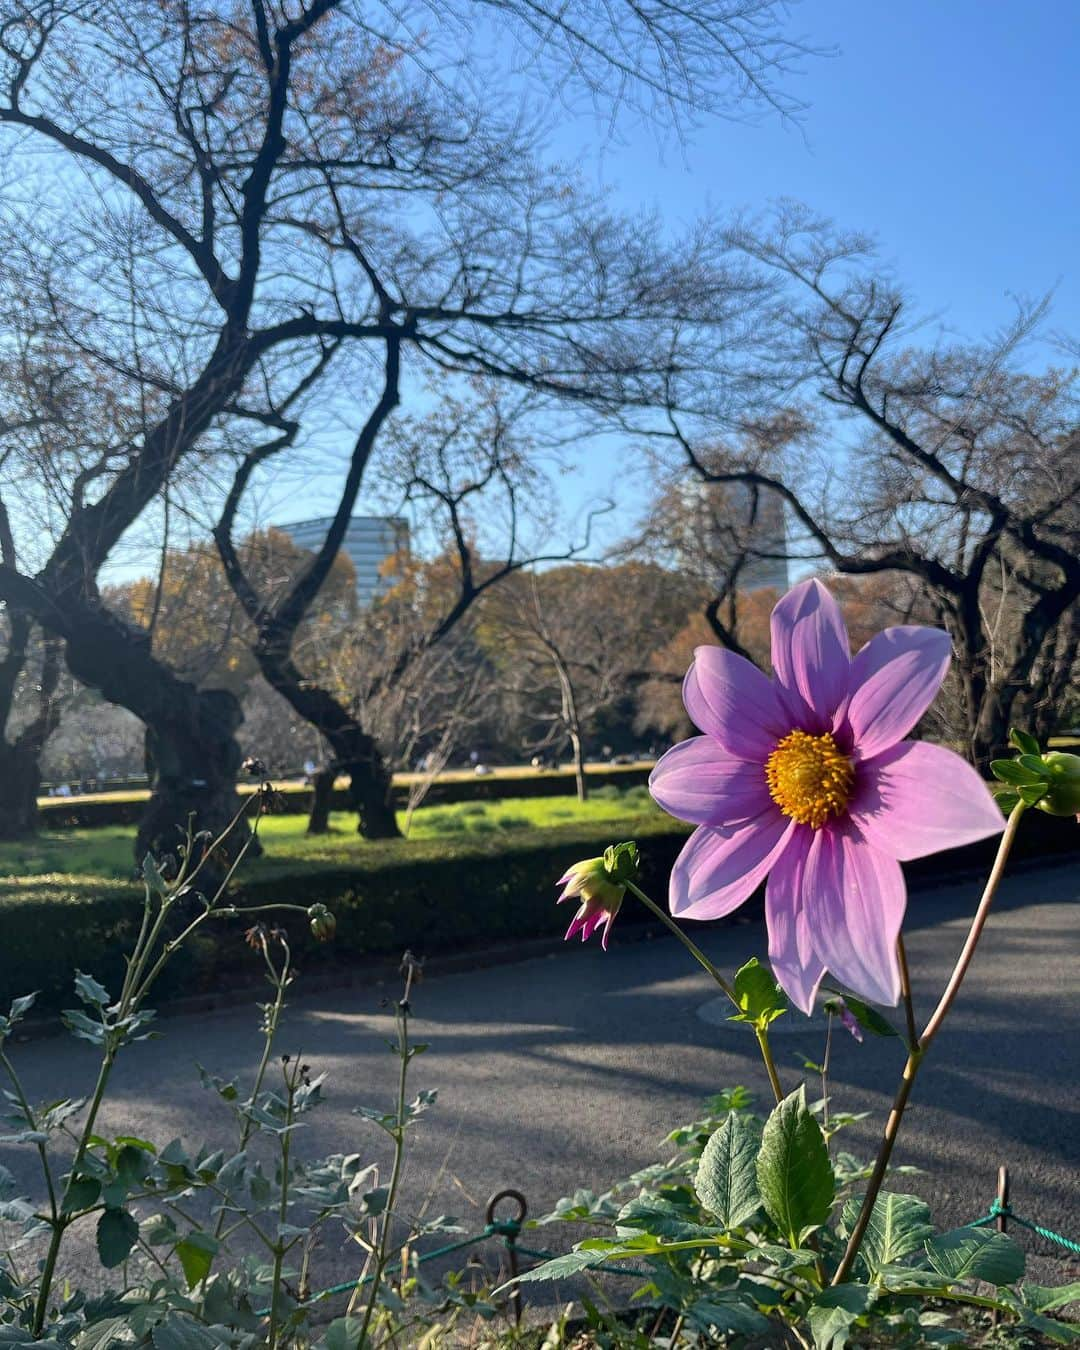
x=382, y=1250
x=770, y=1064
x=905, y=991
x=920, y=1045
x=699, y=956
x=695, y=951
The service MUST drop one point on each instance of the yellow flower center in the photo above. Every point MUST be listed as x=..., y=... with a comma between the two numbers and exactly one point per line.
x=809, y=778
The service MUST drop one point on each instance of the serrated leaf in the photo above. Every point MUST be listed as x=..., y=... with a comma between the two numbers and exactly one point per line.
x=81, y=1026
x=726, y=1181
x=342, y=1334
x=21, y=1006
x=660, y=1218
x=196, y=1255
x=1043, y=1298
x=81, y=1194
x=728, y=1319
x=899, y=1225
x=760, y=998
x=794, y=1175
x=834, y=1312
x=975, y=1254
x=181, y=1333
x=117, y=1233
x=562, y=1267
x=91, y=993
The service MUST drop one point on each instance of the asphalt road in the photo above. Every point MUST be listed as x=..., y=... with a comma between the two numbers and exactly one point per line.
x=567, y=1070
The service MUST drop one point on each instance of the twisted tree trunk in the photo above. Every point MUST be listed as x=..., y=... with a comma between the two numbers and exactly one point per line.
x=354, y=752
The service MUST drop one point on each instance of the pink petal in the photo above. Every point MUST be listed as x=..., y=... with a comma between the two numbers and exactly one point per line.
x=791, y=949
x=697, y=781
x=855, y=900
x=811, y=654
x=719, y=868
x=893, y=682
x=732, y=701
x=917, y=798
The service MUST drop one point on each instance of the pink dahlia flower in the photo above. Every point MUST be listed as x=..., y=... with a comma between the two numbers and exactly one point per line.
x=807, y=779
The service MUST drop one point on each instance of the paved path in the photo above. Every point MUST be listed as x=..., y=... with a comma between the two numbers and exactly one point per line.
x=568, y=1070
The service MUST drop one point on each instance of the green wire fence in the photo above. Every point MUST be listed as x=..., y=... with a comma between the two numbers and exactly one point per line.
x=1000, y=1213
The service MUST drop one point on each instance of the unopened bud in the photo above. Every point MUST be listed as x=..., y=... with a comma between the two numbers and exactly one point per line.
x=1062, y=797
x=323, y=923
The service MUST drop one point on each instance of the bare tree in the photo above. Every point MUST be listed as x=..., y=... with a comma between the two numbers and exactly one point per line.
x=279, y=183
x=963, y=473
x=574, y=646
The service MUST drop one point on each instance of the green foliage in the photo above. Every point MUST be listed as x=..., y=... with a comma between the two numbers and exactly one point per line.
x=760, y=998
x=385, y=896
x=727, y=1173
x=899, y=1225
x=794, y=1174
x=117, y=1233
x=975, y=1254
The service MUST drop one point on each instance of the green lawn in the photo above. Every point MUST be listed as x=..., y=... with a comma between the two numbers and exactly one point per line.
x=103, y=856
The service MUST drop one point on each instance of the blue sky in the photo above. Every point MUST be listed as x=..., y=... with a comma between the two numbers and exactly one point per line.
x=949, y=131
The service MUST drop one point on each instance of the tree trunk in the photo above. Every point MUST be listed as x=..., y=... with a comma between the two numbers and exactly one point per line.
x=579, y=766
x=20, y=782
x=190, y=733
x=322, y=795
x=353, y=751
x=371, y=789
x=191, y=740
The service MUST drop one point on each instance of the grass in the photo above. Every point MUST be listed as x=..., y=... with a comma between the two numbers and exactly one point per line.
x=101, y=857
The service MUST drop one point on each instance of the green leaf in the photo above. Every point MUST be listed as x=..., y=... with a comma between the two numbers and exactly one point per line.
x=726, y=1181
x=342, y=1334
x=1020, y=740
x=759, y=996
x=1044, y=1298
x=81, y=1194
x=975, y=1254
x=181, y=1333
x=728, y=1319
x=1007, y=801
x=661, y=1218
x=562, y=1267
x=835, y=1311
x=1036, y=764
x=196, y=1255
x=868, y=1018
x=91, y=993
x=794, y=1174
x=899, y=1225
x=117, y=1232
x=21, y=1006
x=1031, y=793
x=1011, y=771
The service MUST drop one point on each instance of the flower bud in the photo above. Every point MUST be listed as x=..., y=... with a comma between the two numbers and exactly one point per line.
x=1062, y=796
x=600, y=884
x=323, y=923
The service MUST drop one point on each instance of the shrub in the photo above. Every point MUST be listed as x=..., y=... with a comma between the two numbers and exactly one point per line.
x=434, y=895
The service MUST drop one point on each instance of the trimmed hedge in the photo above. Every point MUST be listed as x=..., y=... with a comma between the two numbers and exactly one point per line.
x=434, y=896
x=126, y=808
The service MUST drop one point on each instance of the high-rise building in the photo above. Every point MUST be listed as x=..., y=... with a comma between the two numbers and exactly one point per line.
x=370, y=544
